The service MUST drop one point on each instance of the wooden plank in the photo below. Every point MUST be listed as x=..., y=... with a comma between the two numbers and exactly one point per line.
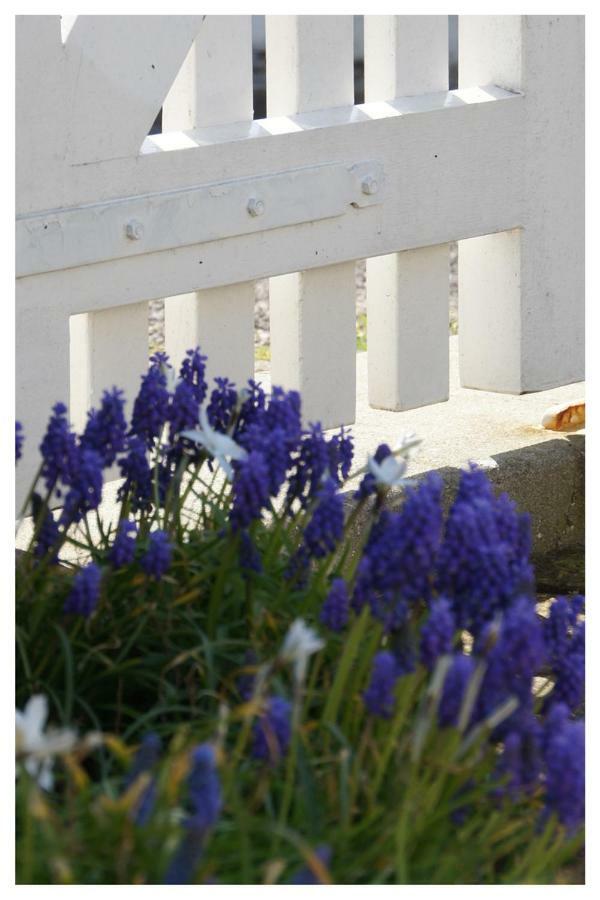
x=405, y=56
x=42, y=354
x=215, y=88
x=407, y=293
x=310, y=63
x=310, y=66
x=214, y=85
x=221, y=322
x=41, y=113
x=108, y=348
x=407, y=328
x=474, y=187
x=172, y=161
x=140, y=225
x=313, y=337
x=521, y=295
x=120, y=70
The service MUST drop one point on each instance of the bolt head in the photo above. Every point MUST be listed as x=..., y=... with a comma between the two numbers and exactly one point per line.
x=255, y=207
x=369, y=185
x=134, y=230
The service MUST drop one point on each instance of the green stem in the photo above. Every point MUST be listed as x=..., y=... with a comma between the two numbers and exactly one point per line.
x=216, y=595
x=345, y=665
x=290, y=769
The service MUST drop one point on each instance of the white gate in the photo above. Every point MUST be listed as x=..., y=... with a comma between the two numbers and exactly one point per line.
x=108, y=218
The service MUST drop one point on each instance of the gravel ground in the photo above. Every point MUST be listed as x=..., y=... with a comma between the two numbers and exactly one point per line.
x=261, y=308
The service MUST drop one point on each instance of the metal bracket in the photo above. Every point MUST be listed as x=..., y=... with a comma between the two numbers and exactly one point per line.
x=66, y=238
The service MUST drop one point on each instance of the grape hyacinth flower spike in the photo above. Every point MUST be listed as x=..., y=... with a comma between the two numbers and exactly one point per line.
x=85, y=593
x=204, y=790
x=159, y=554
x=272, y=731
x=144, y=761
x=379, y=696
x=336, y=607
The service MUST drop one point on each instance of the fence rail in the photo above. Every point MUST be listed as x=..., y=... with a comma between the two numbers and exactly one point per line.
x=109, y=218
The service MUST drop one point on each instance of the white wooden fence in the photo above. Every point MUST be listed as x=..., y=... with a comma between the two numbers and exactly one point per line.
x=108, y=218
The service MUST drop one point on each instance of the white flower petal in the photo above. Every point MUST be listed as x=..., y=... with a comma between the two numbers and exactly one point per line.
x=390, y=472
x=227, y=470
x=392, y=469
x=407, y=444
x=226, y=446
x=300, y=642
x=45, y=778
x=36, y=748
x=193, y=434
x=57, y=741
x=218, y=445
x=374, y=468
x=34, y=718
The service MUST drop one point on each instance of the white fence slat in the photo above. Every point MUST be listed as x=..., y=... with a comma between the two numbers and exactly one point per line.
x=120, y=79
x=310, y=65
x=521, y=295
x=489, y=298
x=108, y=348
x=220, y=321
x=405, y=56
x=42, y=353
x=314, y=348
x=40, y=122
x=407, y=328
x=214, y=87
x=407, y=293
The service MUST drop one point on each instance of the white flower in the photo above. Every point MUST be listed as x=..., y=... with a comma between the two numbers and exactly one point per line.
x=36, y=746
x=300, y=642
x=220, y=446
x=390, y=472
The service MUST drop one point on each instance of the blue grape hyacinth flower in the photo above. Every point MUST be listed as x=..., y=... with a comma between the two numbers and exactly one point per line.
x=157, y=558
x=335, y=611
x=204, y=794
x=106, y=428
x=379, y=696
x=272, y=731
x=85, y=592
x=122, y=552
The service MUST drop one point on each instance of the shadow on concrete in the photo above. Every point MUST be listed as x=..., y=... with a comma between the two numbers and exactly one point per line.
x=546, y=479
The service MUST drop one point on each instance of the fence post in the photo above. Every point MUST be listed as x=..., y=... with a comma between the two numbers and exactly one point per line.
x=310, y=65
x=214, y=87
x=407, y=293
x=521, y=293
